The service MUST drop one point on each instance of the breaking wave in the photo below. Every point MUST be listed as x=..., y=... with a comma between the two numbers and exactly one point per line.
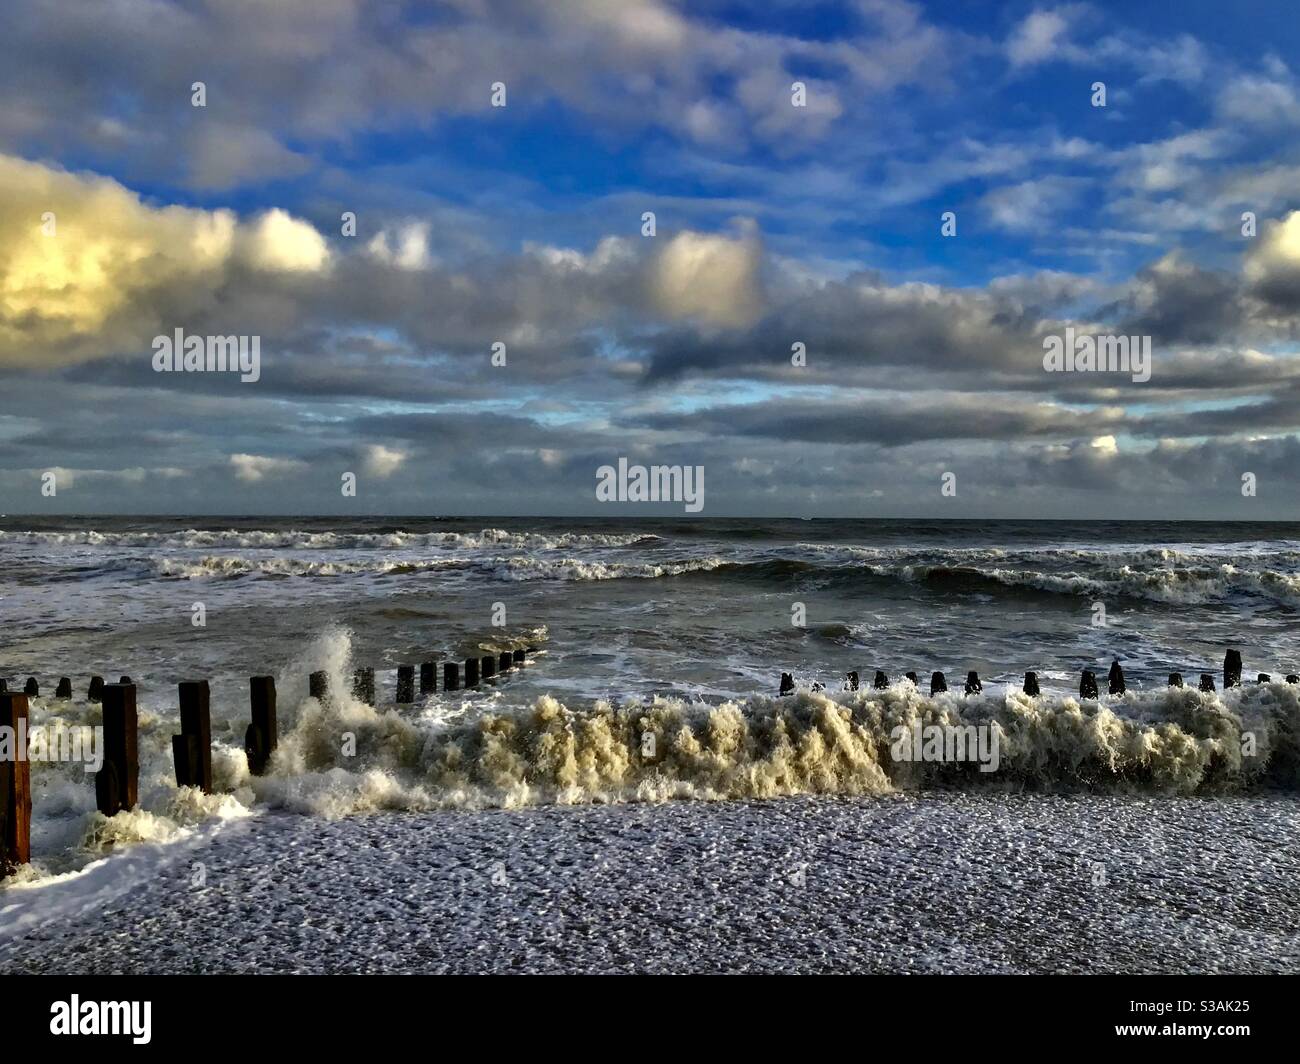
x=1174, y=742
x=1190, y=585
x=507, y=568
x=302, y=540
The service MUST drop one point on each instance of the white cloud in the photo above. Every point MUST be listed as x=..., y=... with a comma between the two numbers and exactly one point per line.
x=714, y=279
x=276, y=241
x=383, y=462
x=1036, y=38
x=110, y=272
x=407, y=248
x=252, y=468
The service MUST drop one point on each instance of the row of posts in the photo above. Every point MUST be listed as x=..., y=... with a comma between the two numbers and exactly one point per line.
x=475, y=671
x=1115, y=682
x=117, y=781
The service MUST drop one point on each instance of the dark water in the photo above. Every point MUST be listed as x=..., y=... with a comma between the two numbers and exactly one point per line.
x=628, y=608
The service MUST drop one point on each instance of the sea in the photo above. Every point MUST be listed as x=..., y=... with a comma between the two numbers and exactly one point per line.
x=654, y=650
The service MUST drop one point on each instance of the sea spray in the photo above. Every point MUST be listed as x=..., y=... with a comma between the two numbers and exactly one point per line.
x=1169, y=742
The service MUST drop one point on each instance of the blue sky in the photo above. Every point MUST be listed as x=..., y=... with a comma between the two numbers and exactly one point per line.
x=775, y=224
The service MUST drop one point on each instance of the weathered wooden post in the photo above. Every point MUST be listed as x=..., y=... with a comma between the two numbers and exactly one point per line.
x=32, y=689
x=318, y=685
x=938, y=683
x=880, y=681
x=64, y=689
x=487, y=666
x=1264, y=678
x=520, y=657
x=428, y=678
x=1207, y=681
x=450, y=676
x=851, y=681
x=471, y=672
x=1115, y=679
x=1031, y=684
x=787, y=685
x=911, y=676
x=363, y=685
x=192, y=749
x=15, y=787
x=95, y=692
x=1292, y=678
x=973, y=685
x=1175, y=679
x=1088, y=684
x=505, y=661
x=1231, y=669
x=117, y=783
x=263, y=733
x=405, y=684
x=126, y=679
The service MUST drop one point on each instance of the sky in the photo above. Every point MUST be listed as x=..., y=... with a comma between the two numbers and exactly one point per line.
x=487, y=247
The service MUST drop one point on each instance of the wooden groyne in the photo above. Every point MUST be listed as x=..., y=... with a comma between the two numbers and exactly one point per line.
x=117, y=782
x=1116, y=684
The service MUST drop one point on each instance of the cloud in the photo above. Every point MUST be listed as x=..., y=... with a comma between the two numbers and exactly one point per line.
x=318, y=74
x=1031, y=206
x=708, y=277
x=1037, y=37
x=407, y=248
x=1272, y=265
x=109, y=271
x=383, y=462
x=252, y=468
x=277, y=242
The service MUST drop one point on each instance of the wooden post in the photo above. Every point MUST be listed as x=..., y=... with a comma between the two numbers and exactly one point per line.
x=95, y=692
x=1115, y=678
x=15, y=787
x=126, y=679
x=1292, y=678
x=1031, y=684
x=938, y=683
x=787, y=685
x=363, y=685
x=32, y=689
x=1175, y=679
x=318, y=685
x=911, y=676
x=520, y=657
x=505, y=661
x=1231, y=669
x=1264, y=678
x=881, y=681
x=487, y=666
x=471, y=672
x=262, y=735
x=1088, y=684
x=450, y=676
x=192, y=749
x=64, y=689
x=851, y=681
x=1207, y=681
x=186, y=759
x=428, y=678
x=973, y=685
x=117, y=783
x=405, y=683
